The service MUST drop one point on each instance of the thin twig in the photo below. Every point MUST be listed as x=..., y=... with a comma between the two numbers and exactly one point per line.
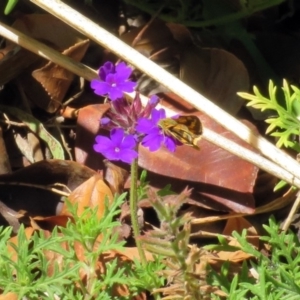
x=276, y=204
x=292, y=212
x=49, y=188
x=12, y=123
x=46, y=52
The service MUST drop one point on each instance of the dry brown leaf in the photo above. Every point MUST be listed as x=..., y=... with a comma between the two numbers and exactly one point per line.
x=238, y=225
x=48, y=223
x=56, y=80
x=216, y=74
x=152, y=41
x=93, y=192
x=115, y=177
x=236, y=256
x=46, y=27
x=52, y=81
x=158, y=44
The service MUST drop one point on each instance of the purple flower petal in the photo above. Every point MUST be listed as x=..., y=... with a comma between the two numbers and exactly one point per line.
x=147, y=111
x=115, y=94
x=101, y=88
x=144, y=125
x=170, y=143
x=104, y=121
x=157, y=115
x=153, y=101
x=103, y=143
x=153, y=141
x=127, y=155
x=129, y=142
x=123, y=71
x=113, y=154
x=106, y=69
x=127, y=86
x=117, y=136
x=118, y=147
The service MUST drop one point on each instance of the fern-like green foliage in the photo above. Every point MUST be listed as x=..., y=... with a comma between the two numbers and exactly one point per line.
x=24, y=267
x=277, y=274
x=285, y=123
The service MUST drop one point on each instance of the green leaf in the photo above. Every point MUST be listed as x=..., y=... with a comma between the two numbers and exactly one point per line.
x=10, y=6
x=285, y=124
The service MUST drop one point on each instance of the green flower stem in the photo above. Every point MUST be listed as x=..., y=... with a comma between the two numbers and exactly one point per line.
x=134, y=208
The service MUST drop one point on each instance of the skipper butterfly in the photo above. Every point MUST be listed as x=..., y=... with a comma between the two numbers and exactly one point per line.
x=185, y=129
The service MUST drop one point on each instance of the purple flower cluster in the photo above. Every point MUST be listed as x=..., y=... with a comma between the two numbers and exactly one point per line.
x=129, y=122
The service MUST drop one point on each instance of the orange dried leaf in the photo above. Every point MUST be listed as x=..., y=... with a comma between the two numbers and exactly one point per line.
x=91, y=193
x=9, y=296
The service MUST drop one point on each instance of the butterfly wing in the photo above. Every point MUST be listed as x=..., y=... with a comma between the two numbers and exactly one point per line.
x=185, y=129
x=192, y=123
